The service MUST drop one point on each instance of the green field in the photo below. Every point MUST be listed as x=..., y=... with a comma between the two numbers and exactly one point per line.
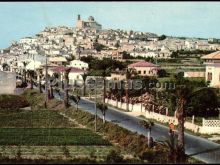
x=33, y=119
x=55, y=152
x=49, y=136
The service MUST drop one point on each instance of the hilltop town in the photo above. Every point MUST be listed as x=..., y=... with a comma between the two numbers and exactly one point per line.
x=88, y=38
x=170, y=68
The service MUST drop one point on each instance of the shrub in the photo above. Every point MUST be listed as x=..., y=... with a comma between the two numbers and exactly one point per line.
x=13, y=102
x=114, y=157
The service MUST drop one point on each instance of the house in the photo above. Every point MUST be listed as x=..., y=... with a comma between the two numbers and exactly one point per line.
x=75, y=75
x=33, y=65
x=144, y=68
x=113, y=54
x=212, y=74
x=57, y=60
x=191, y=45
x=79, y=64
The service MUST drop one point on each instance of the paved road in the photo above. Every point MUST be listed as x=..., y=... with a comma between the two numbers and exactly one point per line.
x=194, y=144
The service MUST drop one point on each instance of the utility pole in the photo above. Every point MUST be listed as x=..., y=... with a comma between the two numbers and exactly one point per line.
x=46, y=85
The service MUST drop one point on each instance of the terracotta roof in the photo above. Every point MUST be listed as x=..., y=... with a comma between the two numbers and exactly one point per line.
x=62, y=69
x=142, y=64
x=215, y=55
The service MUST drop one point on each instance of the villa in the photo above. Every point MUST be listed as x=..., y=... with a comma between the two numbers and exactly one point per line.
x=212, y=62
x=144, y=68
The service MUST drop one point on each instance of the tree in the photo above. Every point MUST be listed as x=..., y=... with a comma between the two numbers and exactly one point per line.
x=162, y=73
x=98, y=47
x=128, y=76
x=76, y=99
x=170, y=143
x=5, y=66
x=66, y=95
x=182, y=93
x=31, y=75
x=24, y=71
x=203, y=103
x=104, y=73
x=103, y=108
x=147, y=125
x=40, y=79
x=51, y=89
x=117, y=45
x=162, y=37
x=84, y=76
x=114, y=157
x=174, y=55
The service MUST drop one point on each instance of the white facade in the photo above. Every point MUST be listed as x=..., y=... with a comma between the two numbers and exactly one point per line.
x=79, y=64
x=212, y=74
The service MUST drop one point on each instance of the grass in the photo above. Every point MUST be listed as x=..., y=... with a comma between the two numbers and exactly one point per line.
x=33, y=119
x=49, y=136
x=52, y=152
x=128, y=141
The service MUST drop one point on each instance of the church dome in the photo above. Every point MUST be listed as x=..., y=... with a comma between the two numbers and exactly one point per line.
x=91, y=18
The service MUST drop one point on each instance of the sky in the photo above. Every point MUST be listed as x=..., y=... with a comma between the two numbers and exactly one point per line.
x=188, y=19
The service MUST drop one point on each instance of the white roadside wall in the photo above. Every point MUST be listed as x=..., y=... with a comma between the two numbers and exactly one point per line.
x=208, y=126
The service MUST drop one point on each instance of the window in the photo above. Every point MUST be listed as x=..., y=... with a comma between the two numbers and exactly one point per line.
x=139, y=72
x=209, y=76
x=144, y=71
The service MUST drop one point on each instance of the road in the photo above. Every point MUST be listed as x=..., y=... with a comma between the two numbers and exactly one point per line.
x=194, y=144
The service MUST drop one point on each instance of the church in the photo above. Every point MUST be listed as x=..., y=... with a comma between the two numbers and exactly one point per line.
x=91, y=23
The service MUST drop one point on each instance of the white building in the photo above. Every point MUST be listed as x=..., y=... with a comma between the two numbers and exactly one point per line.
x=79, y=64
x=212, y=62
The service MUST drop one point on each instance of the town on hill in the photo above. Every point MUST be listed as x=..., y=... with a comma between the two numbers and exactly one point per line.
x=152, y=86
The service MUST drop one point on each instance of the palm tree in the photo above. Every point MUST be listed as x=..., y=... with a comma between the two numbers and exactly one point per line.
x=31, y=75
x=103, y=107
x=128, y=76
x=24, y=71
x=66, y=95
x=183, y=96
x=40, y=79
x=84, y=76
x=104, y=74
x=51, y=90
x=171, y=143
x=148, y=125
x=76, y=99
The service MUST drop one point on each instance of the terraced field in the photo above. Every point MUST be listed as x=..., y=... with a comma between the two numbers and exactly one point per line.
x=56, y=152
x=47, y=135
x=50, y=136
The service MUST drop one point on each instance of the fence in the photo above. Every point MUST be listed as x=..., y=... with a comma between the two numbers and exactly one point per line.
x=208, y=126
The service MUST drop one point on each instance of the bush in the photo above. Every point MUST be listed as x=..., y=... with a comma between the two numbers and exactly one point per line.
x=13, y=102
x=114, y=157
